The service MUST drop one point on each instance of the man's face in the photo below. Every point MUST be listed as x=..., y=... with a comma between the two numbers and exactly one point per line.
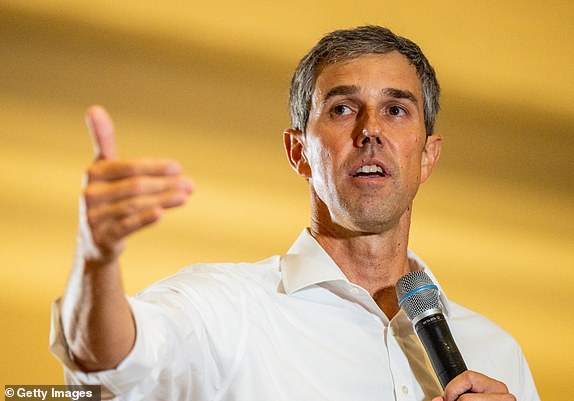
x=359, y=182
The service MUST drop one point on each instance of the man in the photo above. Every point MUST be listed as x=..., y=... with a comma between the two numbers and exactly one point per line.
x=319, y=323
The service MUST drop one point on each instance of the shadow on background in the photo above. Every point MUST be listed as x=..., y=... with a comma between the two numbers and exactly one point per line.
x=495, y=220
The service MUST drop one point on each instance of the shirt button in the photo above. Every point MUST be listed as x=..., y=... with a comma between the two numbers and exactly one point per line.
x=355, y=290
x=405, y=390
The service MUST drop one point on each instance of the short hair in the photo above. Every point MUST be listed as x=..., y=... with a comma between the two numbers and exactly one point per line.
x=350, y=44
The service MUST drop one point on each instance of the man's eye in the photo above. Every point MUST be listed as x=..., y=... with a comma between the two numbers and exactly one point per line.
x=397, y=111
x=341, y=110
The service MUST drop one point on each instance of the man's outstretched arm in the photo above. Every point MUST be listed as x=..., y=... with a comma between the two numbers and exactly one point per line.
x=119, y=198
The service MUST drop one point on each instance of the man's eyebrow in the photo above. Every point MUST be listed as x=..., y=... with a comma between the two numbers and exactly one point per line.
x=342, y=90
x=346, y=90
x=400, y=94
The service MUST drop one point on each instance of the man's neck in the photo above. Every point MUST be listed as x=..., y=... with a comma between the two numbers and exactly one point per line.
x=374, y=262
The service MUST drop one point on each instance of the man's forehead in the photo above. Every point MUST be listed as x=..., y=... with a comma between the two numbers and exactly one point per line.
x=379, y=72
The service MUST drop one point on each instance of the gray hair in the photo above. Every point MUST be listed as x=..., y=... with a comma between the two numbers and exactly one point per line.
x=351, y=44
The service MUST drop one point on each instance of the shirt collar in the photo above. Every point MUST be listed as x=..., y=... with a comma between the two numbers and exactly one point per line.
x=307, y=264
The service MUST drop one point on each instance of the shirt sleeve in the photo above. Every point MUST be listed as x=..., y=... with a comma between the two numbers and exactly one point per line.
x=527, y=390
x=182, y=350
x=151, y=367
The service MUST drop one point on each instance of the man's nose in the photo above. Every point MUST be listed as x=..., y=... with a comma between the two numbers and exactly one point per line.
x=369, y=136
x=370, y=126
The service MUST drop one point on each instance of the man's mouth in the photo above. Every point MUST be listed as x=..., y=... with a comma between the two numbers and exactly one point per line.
x=370, y=170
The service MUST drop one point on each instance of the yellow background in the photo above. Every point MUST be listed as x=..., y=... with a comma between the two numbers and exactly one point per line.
x=206, y=82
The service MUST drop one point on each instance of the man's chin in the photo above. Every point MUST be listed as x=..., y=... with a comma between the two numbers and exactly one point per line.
x=378, y=221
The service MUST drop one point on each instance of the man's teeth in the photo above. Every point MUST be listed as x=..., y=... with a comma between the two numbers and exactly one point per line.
x=370, y=169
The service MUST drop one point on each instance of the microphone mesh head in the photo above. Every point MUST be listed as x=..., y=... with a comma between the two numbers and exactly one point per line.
x=417, y=294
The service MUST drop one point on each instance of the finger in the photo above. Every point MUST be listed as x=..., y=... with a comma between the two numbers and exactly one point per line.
x=486, y=397
x=123, y=209
x=108, y=192
x=109, y=235
x=105, y=170
x=102, y=132
x=473, y=382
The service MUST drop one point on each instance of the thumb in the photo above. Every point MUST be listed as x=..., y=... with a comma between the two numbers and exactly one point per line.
x=102, y=133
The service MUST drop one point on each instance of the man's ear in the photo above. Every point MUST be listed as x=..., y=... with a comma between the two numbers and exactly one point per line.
x=430, y=156
x=294, y=143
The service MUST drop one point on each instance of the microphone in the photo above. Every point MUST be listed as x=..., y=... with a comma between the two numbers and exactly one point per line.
x=418, y=298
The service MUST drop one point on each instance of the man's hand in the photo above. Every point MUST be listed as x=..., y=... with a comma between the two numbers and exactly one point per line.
x=121, y=197
x=473, y=386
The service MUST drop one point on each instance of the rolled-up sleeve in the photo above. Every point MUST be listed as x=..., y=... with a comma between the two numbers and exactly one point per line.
x=150, y=362
x=182, y=350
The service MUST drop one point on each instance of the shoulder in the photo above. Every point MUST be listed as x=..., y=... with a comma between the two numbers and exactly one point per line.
x=485, y=346
x=207, y=279
x=202, y=297
x=489, y=349
x=472, y=326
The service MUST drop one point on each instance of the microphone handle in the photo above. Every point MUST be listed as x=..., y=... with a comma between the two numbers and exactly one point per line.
x=435, y=335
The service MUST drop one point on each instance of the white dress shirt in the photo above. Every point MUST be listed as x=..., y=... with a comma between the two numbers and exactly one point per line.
x=289, y=328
